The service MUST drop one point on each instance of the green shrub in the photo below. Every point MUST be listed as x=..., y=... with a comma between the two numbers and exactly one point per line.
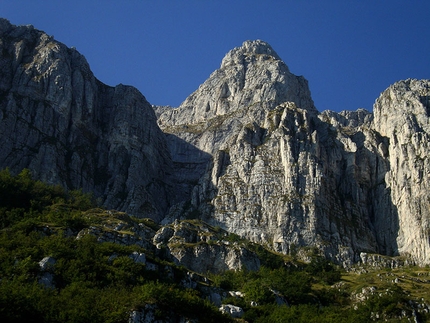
x=22, y=198
x=324, y=270
x=172, y=300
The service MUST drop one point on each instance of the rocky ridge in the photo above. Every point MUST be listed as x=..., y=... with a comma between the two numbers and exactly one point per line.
x=66, y=126
x=246, y=152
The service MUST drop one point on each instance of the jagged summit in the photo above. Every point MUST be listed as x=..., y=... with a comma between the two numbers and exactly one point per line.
x=250, y=75
x=249, y=48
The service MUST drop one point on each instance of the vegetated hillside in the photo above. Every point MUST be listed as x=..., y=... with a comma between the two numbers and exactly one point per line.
x=82, y=280
x=64, y=259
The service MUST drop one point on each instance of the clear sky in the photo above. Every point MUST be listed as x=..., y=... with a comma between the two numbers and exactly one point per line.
x=349, y=51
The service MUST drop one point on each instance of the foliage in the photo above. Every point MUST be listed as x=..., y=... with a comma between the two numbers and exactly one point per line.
x=23, y=199
x=99, y=282
x=390, y=303
x=324, y=270
x=307, y=296
x=308, y=313
x=267, y=258
x=173, y=300
x=94, y=282
x=261, y=286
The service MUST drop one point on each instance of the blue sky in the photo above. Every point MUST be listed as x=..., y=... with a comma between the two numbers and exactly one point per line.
x=349, y=51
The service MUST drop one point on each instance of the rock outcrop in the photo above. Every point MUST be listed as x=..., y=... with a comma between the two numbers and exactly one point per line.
x=247, y=152
x=59, y=121
x=203, y=249
x=193, y=244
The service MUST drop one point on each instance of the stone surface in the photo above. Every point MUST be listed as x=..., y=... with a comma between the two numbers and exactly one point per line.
x=145, y=315
x=246, y=152
x=68, y=128
x=402, y=114
x=118, y=227
x=232, y=310
x=46, y=278
x=285, y=175
x=47, y=263
x=138, y=257
x=250, y=74
x=199, y=248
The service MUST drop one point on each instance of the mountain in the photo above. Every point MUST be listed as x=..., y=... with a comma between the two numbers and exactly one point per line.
x=284, y=175
x=66, y=126
x=247, y=152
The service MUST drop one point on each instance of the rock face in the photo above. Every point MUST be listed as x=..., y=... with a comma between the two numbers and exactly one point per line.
x=193, y=244
x=284, y=175
x=59, y=121
x=232, y=310
x=402, y=114
x=252, y=80
x=249, y=75
x=202, y=249
x=247, y=152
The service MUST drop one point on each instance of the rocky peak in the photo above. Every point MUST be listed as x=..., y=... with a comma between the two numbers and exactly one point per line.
x=250, y=48
x=405, y=103
x=250, y=75
x=234, y=100
x=402, y=114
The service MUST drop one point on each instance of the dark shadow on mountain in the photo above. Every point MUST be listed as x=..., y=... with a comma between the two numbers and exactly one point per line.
x=425, y=101
x=189, y=164
x=353, y=196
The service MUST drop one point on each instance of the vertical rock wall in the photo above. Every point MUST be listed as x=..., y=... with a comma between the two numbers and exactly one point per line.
x=402, y=114
x=58, y=120
x=284, y=175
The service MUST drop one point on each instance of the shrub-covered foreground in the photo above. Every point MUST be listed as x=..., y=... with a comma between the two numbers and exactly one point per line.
x=38, y=220
x=297, y=295
x=99, y=281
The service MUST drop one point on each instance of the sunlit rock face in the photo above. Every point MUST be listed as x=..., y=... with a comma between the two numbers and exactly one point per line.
x=282, y=174
x=58, y=120
x=402, y=114
x=250, y=74
x=247, y=151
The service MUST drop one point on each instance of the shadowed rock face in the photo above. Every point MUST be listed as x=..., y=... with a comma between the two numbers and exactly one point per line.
x=247, y=151
x=58, y=120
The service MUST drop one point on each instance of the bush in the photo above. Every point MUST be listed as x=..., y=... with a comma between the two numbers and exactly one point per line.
x=268, y=258
x=230, y=279
x=258, y=290
x=22, y=198
x=390, y=303
x=324, y=270
x=174, y=301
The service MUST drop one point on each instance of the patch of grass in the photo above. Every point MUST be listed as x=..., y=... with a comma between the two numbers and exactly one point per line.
x=413, y=280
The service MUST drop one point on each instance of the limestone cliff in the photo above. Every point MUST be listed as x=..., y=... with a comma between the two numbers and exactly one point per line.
x=402, y=115
x=284, y=175
x=246, y=152
x=58, y=120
